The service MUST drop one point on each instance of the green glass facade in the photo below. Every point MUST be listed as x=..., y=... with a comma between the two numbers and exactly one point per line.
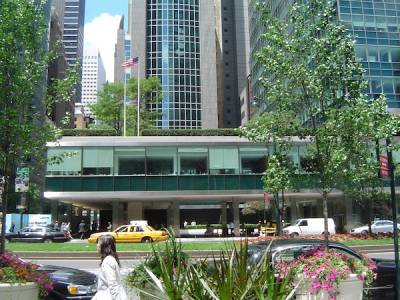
x=374, y=24
x=173, y=55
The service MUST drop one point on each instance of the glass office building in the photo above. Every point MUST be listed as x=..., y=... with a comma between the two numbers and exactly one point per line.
x=173, y=54
x=374, y=24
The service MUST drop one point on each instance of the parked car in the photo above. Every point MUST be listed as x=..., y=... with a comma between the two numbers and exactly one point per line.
x=133, y=234
x=38, y=234
x=71, y=284
x=382, y=288
x=310, y=226
x=379, y=226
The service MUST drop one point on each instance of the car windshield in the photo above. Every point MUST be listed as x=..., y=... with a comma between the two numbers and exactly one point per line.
x=122, y=229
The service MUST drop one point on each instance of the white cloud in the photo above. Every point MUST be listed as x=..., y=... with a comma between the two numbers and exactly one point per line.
x=101, y=33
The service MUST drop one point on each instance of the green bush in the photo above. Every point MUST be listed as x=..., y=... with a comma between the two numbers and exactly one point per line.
x=191, y=132
x=89, y=132
x=170, y=274
x=217, y=226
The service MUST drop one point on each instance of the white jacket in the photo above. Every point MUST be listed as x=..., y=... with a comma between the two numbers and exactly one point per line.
x=109, y=285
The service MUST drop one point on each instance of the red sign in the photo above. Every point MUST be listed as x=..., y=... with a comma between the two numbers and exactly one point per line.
x=384, y=165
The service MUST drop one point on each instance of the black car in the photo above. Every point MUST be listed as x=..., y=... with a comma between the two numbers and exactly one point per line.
x=71, y=284
x=38, y=234
x=382, y=288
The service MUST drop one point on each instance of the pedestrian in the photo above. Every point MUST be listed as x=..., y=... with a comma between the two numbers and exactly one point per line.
x=185, y=223
x=56, y=227
x=82, y=230
x=12, y=227
x=94, y=226
x=109, y=284
x=109, y=226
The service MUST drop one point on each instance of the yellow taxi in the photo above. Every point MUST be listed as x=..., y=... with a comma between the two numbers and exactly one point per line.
x=133, y=233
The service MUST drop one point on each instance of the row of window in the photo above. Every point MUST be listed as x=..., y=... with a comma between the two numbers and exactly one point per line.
x=164, y=160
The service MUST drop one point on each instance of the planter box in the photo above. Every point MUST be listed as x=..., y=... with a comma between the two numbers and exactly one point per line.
x=351, y=288
x=23, y=291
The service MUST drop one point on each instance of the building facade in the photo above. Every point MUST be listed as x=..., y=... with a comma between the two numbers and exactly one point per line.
x=72, y=24
x=62, y=110
x=122, y=53
x=171, y=179
x=93, y=78
x=375, y=28
x=175, y=40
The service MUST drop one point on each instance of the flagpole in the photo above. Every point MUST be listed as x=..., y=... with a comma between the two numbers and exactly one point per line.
x=138, y=99
x=124, y=103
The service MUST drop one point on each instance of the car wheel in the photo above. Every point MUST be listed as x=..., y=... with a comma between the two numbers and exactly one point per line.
x=48, y=241
x=294, y=234
x=364, y=232
x=147, y=239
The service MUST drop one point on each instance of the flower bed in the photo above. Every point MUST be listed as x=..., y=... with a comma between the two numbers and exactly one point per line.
x=15, y=271
x=323, y=270
x=334, y=237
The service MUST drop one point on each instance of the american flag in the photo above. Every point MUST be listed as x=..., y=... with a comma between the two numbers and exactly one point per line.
x=130, y=62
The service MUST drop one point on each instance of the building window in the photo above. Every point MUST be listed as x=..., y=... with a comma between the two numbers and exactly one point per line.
x=129, y=161
x=224, y=160
x=97, y=161
x=64, y=161
x=192, y=160
x=161, y=161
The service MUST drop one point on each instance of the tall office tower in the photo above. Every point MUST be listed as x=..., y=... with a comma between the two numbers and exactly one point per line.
x=93, y=78
x=175, y=40
x=122, y=53
x=376, y=30
x=73, y=21
x=57, y=68
x=234, y=56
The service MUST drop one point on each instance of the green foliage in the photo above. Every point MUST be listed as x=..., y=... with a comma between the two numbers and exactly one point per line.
x=229, y=276
x=89, y=132
x=312, y=78
x=191, y=132
x=109, y=109
x=24, y=99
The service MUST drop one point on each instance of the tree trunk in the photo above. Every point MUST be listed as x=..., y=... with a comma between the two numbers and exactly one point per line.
x=369, y=215
x=325, y=213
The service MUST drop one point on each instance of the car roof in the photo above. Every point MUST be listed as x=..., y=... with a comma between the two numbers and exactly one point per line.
x=274, y=244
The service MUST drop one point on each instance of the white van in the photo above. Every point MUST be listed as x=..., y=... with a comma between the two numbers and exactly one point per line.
x=310, y=226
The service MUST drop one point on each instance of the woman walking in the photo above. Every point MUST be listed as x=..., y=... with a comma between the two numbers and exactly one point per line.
x=109, y=285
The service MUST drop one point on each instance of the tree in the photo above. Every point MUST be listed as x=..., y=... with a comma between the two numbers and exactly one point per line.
x=310, y=72
x=109, y=109
x=23, y=101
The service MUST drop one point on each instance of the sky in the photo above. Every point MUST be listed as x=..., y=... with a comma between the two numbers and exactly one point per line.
x=102, y=18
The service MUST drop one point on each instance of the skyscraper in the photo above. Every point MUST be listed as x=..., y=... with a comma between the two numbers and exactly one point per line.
x=93, y=78
x=175, y=40
x=122, y=53
x=376, y=30
x=73, y=21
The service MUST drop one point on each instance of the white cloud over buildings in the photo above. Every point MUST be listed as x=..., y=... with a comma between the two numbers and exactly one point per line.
x=101, y=33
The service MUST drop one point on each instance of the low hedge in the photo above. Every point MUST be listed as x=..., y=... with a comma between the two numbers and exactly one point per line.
x=191, y=132
x=89, y=132
x=216, y=226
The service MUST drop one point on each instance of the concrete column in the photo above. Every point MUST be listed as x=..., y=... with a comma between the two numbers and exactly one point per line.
x=294, y=214
x=173, y=217
x=236, y=218
x=117, y=214
x=135, y=211
x=224, y=218
x=54, y=210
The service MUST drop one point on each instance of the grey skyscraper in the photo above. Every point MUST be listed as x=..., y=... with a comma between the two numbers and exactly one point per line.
x=122, y=53
x=376, y=30
x=73, y=20
x=176, y=41
x=233, y=32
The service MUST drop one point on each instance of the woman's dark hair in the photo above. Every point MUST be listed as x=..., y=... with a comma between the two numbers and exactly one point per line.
x=107, y=247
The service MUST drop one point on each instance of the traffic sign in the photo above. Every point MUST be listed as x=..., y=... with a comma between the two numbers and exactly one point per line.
x=384, y=165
